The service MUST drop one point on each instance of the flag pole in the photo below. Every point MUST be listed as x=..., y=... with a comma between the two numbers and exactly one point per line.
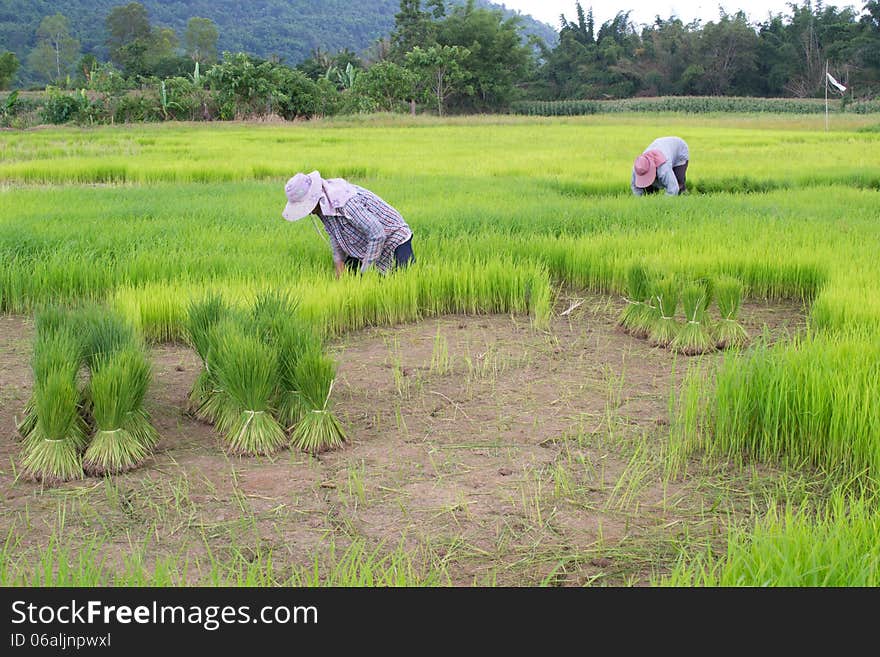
x=826, y=95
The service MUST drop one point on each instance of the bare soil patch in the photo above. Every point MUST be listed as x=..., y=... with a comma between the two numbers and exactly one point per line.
x=508, y=455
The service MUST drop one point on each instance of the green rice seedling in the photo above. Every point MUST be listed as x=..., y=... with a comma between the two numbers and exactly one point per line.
x=124, y=435
x=296, y=338
x=270, y=313
x=201, y=316
x=56, y=349
x=52, y=451
x=247, y=371
x=51, y=317
x=832, y=546
x=666, y=327
x=104, y=333
x=694, y=337
x=319, y=429
x=638, y=293
x=729, y=333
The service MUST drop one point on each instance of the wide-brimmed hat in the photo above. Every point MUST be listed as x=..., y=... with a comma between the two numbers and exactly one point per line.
x=645, y=167
x=303, y=192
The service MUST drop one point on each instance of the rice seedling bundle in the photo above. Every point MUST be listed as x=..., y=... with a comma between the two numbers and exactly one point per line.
x=52, y=451
x=639, y=314
x=270, y=313
x=104, y=333
x=318, y=429
x=296, y=339
x=665, y=327
x=729, y=333
x=247, y=370
x=694, y=337
x=201, y=316
x=56, y=349
x=124, y=435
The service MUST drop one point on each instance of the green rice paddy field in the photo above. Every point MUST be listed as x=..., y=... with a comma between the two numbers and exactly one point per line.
x=747, y=467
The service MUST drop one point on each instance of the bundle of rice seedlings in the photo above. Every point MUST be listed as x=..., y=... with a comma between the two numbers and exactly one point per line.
x=318, y=429
x=639, y=313
x=56, y=349
x=728, y=331
x=104, y=333
x=247, y=370
x=295, y=339
x=638, y=293
x=694, y=337
x=124, y=435
x=271, y=312
x=665, y=328
x=52, y=449
x=201, y=317
x=52, y=317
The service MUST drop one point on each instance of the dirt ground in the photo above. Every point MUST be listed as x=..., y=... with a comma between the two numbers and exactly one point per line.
x=507, y=454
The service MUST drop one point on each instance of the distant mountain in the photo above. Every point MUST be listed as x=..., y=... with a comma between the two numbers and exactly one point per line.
x=290, y=29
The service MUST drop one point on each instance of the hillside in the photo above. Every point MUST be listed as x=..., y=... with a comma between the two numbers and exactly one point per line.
x=289, y=29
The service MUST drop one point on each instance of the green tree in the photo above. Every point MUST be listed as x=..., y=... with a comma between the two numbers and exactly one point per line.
x=56, y=50
x=498, y=61
x=8, y=68
x=440, y=72
x=386, y=86
x=728, y=52
x=412, y=27
x=668, y=48
x=129, y=38
x=200, y=40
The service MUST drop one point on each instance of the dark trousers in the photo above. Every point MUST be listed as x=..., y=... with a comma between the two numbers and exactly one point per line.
x=679, y=172
x=403, y=256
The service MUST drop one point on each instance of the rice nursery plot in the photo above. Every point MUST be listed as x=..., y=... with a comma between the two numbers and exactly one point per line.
x=633, y=385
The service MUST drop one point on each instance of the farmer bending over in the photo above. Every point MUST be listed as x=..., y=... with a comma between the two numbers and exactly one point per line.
x=662, y=165
x=364, y=230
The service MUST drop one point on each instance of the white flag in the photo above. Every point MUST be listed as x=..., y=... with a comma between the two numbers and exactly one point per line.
x=837, y=84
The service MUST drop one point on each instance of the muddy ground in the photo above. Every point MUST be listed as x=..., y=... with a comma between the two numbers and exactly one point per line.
x=503, y=454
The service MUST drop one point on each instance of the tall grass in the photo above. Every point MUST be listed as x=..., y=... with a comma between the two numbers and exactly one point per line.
x=796, y=547
x=809, y=399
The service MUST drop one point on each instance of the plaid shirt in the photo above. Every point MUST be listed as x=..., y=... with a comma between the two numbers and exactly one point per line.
x=366, y=228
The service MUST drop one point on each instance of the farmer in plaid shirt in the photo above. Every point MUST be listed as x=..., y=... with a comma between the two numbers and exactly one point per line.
x=364, y=230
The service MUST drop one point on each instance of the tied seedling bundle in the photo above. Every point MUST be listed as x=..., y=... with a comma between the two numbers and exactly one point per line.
x=639, y=314
x=124, y=435
x=665, y=327
x=105, y=333
x=296, y=339
x=201, y=317
x=271, y=312
x=53, y=429
x=57, y=346
x=318, y=429
x=246, y=369
x=695, y=337
x=729, y=333
x=52, y=450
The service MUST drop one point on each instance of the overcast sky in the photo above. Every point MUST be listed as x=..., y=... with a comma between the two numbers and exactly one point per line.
x=644, y=11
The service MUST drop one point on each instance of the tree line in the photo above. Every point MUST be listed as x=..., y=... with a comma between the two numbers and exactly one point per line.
x=443, y=59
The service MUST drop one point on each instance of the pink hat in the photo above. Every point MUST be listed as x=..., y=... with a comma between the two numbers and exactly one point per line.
x=645, y=167
x=303, y=192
